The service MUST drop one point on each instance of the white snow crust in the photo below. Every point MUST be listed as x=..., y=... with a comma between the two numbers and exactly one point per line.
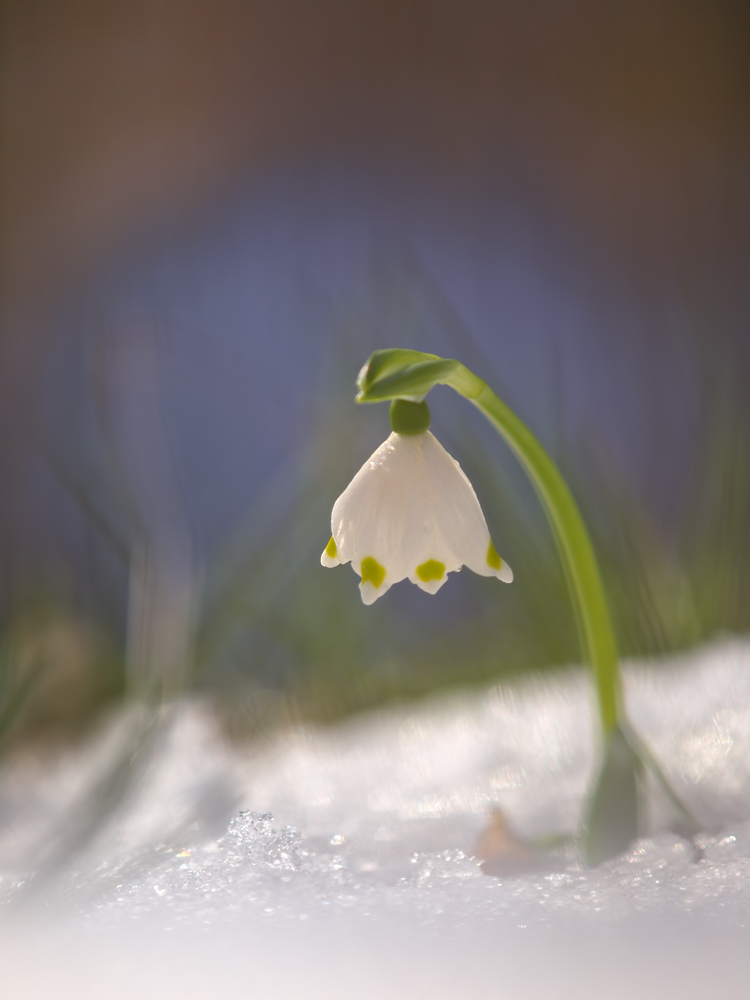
x=339, y=862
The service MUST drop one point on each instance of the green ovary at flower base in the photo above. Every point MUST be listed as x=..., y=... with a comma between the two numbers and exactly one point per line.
x=410, y=512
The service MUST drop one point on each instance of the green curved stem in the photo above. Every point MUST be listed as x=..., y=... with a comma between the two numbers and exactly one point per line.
x=572, y=539
x=612, y=815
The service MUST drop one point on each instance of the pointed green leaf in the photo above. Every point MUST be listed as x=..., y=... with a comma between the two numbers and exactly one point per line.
x=399, y=374
x=613, y=811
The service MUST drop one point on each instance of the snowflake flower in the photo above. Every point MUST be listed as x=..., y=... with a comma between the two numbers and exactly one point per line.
x=411, y=513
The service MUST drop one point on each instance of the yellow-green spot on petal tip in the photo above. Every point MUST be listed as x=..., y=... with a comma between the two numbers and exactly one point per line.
x=331, y=550
x=431, y=570
x=372, y=572
x=493, y=559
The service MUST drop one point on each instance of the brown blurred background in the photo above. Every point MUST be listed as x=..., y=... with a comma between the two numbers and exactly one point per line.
x=631, y=115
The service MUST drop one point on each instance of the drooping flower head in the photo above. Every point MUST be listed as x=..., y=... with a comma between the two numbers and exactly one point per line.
x=411, y=513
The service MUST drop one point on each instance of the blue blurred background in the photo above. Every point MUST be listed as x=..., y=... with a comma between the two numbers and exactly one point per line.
x=214, y=212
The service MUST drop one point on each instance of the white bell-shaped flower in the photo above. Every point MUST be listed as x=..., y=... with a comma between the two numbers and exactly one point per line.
x=410, y=512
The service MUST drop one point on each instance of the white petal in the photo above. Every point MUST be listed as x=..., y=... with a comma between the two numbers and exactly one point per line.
x=432, y=586
x=329, y=557
x=370, y=594
x=505, y=573
x=411, y=509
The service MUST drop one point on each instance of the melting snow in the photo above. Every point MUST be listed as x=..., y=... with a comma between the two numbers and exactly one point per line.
x=338, y=862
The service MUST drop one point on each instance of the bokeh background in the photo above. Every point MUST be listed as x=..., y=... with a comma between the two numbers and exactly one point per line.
x=214, y=210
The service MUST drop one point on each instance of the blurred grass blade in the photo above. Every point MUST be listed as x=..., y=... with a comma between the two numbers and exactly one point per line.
x=85, y=818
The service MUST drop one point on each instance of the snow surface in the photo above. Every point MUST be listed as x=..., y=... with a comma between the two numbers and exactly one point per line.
x=339, y=862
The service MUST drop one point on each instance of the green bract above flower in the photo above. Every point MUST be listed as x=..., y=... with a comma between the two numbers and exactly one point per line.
x=411, y=513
